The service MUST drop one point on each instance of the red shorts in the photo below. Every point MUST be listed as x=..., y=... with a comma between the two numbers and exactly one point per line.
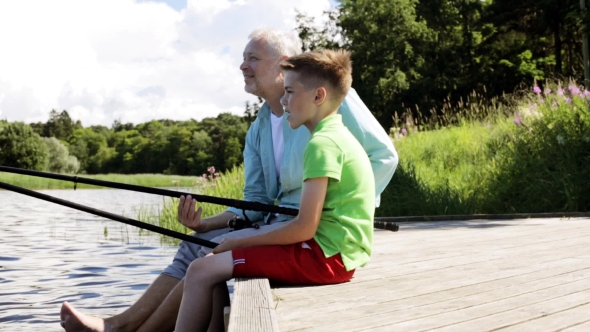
x=302, y=263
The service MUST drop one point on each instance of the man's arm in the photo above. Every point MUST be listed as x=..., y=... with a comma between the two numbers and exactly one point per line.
x=254, y=191
x=255, y=183
x=376, y=142
x=302, y=228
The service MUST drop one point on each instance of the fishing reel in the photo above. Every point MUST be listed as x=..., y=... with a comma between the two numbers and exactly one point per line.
x=236, y=223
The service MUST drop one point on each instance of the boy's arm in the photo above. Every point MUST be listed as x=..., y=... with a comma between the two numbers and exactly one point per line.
x=302, y=228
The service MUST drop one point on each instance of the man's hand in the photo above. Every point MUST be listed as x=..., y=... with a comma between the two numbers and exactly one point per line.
x=188, y=216
x=227, y=244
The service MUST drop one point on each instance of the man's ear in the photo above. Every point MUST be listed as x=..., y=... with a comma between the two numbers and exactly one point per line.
x=321, y=95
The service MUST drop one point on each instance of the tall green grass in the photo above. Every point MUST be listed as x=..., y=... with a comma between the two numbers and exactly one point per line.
x=227, y=185
x=536, y=160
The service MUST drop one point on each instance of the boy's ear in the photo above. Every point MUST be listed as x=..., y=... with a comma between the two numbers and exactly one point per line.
x=321, y=95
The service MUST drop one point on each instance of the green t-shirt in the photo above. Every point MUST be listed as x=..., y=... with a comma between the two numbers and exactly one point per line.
x=346, y=224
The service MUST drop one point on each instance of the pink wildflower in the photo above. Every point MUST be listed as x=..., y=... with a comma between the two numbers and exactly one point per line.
x=536, y=90
x=574, y=90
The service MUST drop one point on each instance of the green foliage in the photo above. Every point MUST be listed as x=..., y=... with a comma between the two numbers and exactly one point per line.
x=541, y=164
x=386, y=61
x=535, y=161
x=60, y=125
x=422, y=56
x=157, y=146
x=60, y=160
x=21, y=147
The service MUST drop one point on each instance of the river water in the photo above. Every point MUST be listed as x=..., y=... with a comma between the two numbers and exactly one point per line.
x=50, y=254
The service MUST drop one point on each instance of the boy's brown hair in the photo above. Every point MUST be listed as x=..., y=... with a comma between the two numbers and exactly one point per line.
x=316, y=68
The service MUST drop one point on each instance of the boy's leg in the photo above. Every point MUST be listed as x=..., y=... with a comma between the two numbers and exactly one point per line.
x=164, y=318
x=220, y=301
x=202, y=277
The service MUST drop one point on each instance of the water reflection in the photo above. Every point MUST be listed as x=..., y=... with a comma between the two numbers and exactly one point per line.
x=50, y=253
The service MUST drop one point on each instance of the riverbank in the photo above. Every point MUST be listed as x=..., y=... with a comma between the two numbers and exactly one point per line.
x=148, y=180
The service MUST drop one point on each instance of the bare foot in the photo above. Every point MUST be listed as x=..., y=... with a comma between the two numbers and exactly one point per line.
x=74, y=321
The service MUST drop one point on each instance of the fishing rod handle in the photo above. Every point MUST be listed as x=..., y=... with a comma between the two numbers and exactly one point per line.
x=386, y=225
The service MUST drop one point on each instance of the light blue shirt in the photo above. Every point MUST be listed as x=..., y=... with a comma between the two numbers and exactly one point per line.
x=261, y=181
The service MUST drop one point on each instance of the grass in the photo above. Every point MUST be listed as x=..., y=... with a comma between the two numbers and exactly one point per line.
x=148, y=180
x=228, y=185
x=535, y=160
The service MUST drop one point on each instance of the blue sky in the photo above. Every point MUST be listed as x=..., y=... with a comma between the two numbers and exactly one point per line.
x=176, y=4
x=181, y=4
x=131, y=60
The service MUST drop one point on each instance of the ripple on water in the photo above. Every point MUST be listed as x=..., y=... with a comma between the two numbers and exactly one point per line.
x=130, y=265
x=95, y=283
x=83, y=275
x=141, y=248
x=15, y=318
x=94, y=269
x=4, y=258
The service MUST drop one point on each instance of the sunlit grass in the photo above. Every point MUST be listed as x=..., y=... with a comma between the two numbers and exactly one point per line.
x=148, y=180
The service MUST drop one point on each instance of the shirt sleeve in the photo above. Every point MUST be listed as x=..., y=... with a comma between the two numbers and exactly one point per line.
x=376, y=142
x=254, y=187
x=322, y=158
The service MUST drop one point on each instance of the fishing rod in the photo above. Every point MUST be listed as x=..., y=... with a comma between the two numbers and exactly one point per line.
x=243, y=205
x=100, y=213
x=240, y=204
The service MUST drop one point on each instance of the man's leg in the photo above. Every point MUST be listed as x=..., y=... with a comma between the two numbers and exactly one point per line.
x=164, y=318
x=158, y=292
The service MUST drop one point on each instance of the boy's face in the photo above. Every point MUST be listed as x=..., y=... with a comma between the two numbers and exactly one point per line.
x=298, y=101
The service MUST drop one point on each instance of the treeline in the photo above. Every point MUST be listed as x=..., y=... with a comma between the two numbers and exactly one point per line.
x=431, y=55
x=159, y=146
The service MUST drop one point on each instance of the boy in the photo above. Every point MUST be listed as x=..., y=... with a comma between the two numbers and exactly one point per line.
x=332, y=234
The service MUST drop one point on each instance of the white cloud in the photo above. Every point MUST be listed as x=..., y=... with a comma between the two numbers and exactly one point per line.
x=104, y=60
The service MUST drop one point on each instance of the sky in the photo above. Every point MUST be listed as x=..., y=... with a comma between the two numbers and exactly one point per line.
x=131, y=60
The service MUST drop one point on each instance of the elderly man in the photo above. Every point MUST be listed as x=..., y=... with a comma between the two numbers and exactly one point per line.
x=273, y=162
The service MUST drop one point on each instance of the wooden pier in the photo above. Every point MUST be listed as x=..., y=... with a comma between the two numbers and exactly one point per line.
x=507, y=275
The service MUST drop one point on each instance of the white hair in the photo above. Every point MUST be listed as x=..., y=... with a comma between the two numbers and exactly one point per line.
x=281, y=42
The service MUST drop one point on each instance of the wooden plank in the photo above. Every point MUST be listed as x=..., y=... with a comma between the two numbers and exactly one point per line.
x=252, y=308
x=554, y=322
x=580, y=327
x=536, y=310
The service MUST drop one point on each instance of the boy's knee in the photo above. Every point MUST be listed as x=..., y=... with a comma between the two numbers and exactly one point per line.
x=196, y=269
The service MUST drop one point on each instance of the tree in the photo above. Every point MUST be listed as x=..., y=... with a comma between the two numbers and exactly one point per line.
x=60, y=125
x=385, y=37
x=21, y=147
x=60, y=160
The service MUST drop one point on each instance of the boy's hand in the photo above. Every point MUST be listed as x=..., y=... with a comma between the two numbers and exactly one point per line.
x=227, y=244
x=188, y=216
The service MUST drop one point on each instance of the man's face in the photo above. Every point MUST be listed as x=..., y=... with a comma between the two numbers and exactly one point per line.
x=261, y=69
x=298, y=101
